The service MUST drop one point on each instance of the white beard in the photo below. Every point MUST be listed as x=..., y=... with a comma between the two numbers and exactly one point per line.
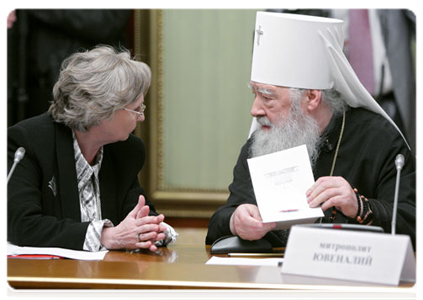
x=297, y=130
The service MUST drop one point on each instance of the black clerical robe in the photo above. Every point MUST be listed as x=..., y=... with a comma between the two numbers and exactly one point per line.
x=366, y=159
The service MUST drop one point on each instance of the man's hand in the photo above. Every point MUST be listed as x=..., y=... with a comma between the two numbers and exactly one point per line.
x=137, y=230
x=333, y=191
x=246, y=222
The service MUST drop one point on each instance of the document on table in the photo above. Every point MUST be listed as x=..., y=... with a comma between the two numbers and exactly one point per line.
x=280, y=181
x=52, y=253
x=237, y=261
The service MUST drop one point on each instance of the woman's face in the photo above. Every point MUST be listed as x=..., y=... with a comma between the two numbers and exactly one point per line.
x=123, y=122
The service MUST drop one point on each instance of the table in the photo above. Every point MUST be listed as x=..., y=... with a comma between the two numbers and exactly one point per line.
x=181, y=266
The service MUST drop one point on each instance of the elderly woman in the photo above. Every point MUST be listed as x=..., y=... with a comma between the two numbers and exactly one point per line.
x=77, y=185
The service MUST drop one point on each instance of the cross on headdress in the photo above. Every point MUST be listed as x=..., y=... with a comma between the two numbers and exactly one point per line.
x=259, y=33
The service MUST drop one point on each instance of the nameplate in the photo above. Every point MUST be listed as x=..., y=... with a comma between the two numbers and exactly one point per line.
x=370, y=257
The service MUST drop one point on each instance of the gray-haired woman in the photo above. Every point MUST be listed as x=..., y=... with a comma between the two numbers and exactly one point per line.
x=77, y=185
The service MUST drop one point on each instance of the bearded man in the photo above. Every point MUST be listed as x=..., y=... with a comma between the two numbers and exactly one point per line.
x=351, y=142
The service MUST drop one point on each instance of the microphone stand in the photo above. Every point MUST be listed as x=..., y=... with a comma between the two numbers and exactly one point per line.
x=19, y=154
x=399, y=163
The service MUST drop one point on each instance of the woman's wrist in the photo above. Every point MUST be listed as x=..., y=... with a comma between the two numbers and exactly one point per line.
x=107, y=237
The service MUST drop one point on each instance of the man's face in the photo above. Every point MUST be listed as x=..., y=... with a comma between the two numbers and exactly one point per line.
x=270, y=101
x=284, y=121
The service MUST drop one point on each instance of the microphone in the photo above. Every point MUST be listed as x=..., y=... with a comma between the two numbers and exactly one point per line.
x=19, y=154
x=399, y=163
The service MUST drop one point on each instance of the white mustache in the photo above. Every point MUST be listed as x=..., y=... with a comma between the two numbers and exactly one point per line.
x=264, y=121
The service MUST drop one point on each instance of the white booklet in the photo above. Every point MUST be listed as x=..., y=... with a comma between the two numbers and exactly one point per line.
x=280, y=181
x=52, y=253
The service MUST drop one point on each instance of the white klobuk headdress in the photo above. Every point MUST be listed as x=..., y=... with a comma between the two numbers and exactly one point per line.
x=301, y=51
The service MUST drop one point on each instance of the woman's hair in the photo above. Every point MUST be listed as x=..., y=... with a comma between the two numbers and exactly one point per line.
x=94, y=84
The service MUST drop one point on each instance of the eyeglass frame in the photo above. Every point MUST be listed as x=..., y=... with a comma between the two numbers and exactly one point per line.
x=139, y=113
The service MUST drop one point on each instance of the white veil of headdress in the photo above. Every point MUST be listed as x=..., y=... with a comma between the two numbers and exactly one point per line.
x=301, y=51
